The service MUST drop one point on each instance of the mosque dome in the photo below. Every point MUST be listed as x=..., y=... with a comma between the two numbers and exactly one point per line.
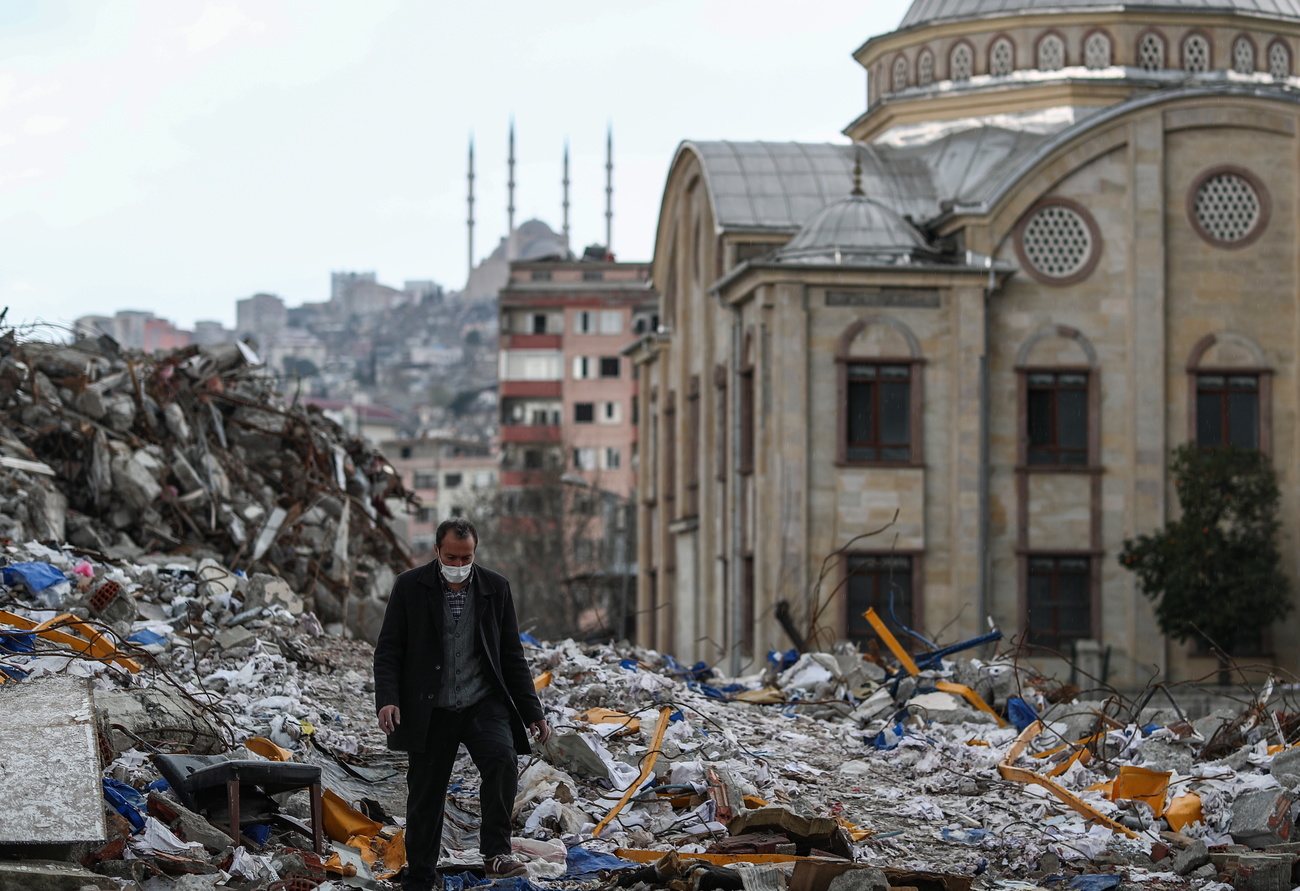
x=855, y=230
x=928, y=12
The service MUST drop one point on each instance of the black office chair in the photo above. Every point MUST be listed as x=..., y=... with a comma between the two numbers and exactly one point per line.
x=238, y=793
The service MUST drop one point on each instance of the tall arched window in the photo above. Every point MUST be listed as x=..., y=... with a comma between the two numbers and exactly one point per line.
x=925, y=68
x=1196, y=54
x=961, y=61
x=1051, y=53
x=879, y=369
x=1279, y=59
x=900, y=74
x=1096, y=50
x=1002, y=57
x=1230, y=386
x=1151, y=52
x=1243, y=55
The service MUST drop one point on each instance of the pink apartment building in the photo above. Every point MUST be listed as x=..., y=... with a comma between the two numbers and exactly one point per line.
x=568, y=394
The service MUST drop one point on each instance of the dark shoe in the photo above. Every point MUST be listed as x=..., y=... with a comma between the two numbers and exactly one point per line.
x=503, y=866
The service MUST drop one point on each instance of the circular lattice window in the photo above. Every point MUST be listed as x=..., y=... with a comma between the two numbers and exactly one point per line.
x=1229, y=207
x=1059, y=243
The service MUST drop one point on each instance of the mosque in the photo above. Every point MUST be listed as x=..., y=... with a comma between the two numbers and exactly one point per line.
x=939, y=368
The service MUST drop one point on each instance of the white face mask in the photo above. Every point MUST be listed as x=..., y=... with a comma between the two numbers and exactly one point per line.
x=456, y=574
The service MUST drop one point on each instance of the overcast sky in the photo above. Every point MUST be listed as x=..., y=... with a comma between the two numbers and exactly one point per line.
x=177, y=155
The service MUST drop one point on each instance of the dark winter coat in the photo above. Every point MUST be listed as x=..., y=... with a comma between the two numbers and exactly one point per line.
x=409, y=653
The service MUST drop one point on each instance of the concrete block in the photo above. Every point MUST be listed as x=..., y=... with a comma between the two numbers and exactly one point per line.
x=136, y=478
x=232, y=638
x=1262, y=872
x=1262, y=818
x=52, y=776
x=49, y=875
x=1286, y=767
x=1192, y=859
x=869, y=879
x=268, y=590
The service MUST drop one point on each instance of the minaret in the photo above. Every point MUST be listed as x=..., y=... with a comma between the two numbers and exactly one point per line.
x=471, y=202
x=609, y=189
x=565, y=182
x=510, y=205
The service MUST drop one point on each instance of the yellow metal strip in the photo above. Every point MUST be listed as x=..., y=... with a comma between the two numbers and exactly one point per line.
x=99, y=647
x=890, y=641
x=971, y=696
x=1021, y=775
x=542, y=680
x=647, y=768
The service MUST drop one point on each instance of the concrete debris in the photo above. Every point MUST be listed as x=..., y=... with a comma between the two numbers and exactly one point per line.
x=195, y=455
x=823, y=772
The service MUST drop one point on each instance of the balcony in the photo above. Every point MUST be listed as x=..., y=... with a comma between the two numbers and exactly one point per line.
x=552, y=389
x=530, y=433
x=530, y=341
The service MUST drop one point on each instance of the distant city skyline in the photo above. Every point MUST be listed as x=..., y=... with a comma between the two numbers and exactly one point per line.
x=177, y=157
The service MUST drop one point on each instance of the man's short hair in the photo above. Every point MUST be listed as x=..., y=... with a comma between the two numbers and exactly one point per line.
x=457, y=526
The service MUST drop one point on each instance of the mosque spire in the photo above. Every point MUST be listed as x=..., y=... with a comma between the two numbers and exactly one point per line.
x=510, y=205
x=609, y=189
x=470, y=221
x=565, y=182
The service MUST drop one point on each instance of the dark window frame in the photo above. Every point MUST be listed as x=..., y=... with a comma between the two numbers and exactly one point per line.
x=604, y=365
x=915, y=368
x=883, y=572
x=1088, y=558
x=578, y=412
x=1092, y=448
x=1195, y=369
x=1228, y=383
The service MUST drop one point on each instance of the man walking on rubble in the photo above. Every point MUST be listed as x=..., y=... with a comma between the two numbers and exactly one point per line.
x=450, y=669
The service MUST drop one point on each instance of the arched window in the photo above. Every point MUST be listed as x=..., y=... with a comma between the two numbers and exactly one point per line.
x=900, y=74
x=1002, y=57
x=1279, y=59
x=1151, y=52
x=879, y=365
x=1243, y=55
x=1051, y=53
x=1096, y=50
x=1196, y=54
x=961, y=62
x=1230, y=393
x=925, y=68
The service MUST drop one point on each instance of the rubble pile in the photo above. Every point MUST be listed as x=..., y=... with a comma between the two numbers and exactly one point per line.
x=825, y=772
x=194, y=453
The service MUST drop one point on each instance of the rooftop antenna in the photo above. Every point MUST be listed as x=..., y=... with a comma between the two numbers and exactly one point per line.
x=510, y=205
x=857, y=172
x=471, y=202
x=609, y=190
x=566, y=194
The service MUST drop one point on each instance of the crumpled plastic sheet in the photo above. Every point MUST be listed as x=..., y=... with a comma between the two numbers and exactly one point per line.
x=156, y=838
x=36, y=576
x=251, y=867
x=582, y=864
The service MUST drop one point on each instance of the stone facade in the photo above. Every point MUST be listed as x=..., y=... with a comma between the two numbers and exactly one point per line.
x=1114, y=264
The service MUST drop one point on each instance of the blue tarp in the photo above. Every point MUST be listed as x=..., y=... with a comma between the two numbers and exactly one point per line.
x=782, y=661
x=1095, y=881
x=125, y=800
x=1021, y=713
x=469, y=880
x=36, y=576
x=17, y=641
x=965, y=836
x=146, y=637
x=584, y=864
x=529, y=639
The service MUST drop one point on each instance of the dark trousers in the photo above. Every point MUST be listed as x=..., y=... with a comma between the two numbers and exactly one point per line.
x=484, y=728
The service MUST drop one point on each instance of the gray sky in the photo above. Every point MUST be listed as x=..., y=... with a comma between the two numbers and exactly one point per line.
x=177, y=155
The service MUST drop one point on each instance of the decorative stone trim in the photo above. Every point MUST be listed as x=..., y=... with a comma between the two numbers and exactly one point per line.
x=1229, y=207
x=1058, y=242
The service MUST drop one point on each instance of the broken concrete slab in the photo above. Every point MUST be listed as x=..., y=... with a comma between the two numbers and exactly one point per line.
x=50, y=875
x=1262, y=818
x=1192, y=858
x=49, y=758
x=1286, y=767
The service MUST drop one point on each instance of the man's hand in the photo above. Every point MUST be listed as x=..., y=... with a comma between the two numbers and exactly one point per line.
x=389, y=717
x=541, y=731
